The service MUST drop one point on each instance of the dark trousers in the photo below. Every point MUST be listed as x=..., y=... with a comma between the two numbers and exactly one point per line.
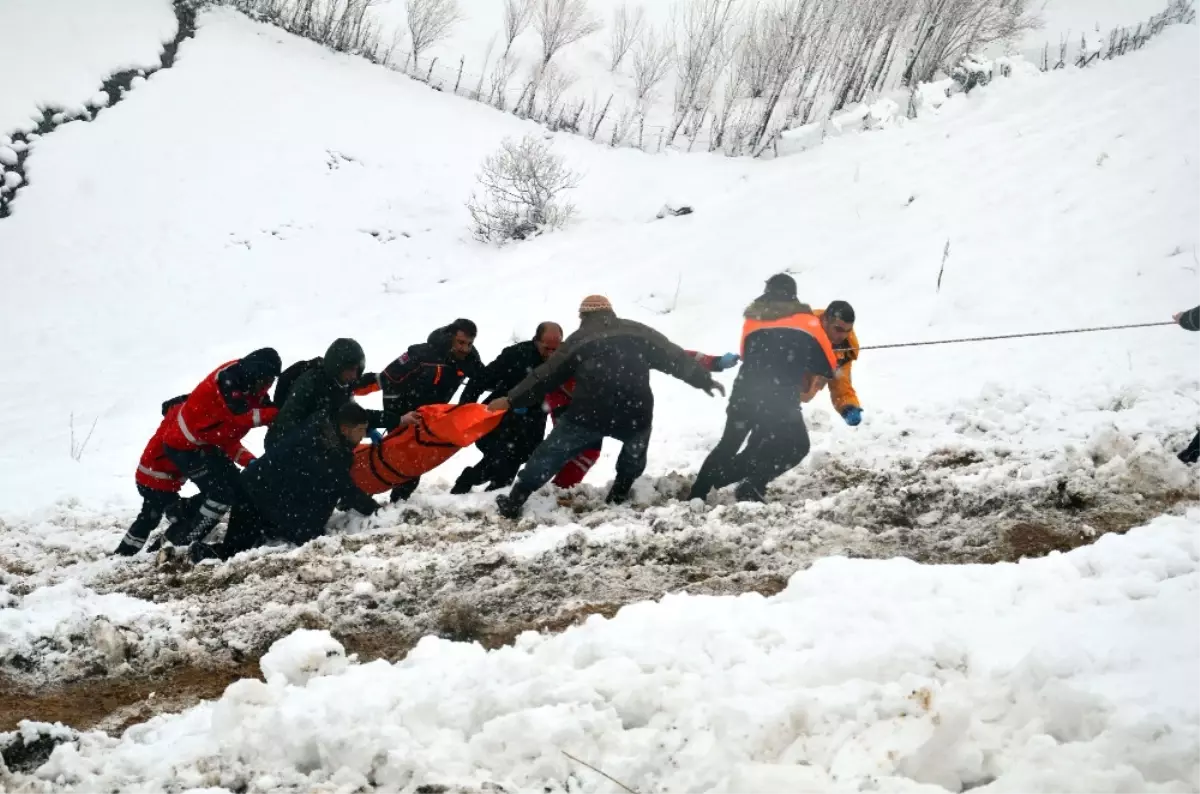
x=504, y=450
x=567, y=440
x=217, y=478
x=155, y=504
x=775, y=442
x=247, y=529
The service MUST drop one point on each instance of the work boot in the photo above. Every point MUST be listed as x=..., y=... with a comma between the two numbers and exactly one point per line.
x=199, y=551
x=404, y=490
x=196, y=525
x=509, y=505
x=749, y=492
x=128, y=548
x=618, y=494
x=466, y=481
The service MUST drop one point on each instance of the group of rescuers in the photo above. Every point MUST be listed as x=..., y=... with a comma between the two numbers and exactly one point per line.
x=594, y=384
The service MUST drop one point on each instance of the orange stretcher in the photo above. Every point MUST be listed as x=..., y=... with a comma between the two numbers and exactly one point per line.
x=408, y=452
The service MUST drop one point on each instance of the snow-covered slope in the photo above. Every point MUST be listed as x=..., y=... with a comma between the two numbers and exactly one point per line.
x=264, y=191
x=56, y=53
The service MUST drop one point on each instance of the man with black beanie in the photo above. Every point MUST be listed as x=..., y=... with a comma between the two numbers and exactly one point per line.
x=785, y=351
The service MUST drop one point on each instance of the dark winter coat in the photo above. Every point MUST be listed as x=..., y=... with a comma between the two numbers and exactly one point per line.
x=610, y=359
x=1190, y=320
x=783, y=348
x=297, y=485
x=512, y=366
x=319, y=391
x=427, y=374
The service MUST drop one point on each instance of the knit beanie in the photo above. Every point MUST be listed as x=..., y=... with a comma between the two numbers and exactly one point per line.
x=595, y=303
x=781, y=286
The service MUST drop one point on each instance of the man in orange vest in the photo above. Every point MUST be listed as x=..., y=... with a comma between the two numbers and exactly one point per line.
x=838, y=321
x=785, y=354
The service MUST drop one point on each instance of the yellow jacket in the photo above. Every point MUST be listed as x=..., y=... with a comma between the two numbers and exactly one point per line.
x=841, y=390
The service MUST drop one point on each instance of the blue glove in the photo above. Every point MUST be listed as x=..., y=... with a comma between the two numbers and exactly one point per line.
x=520, y=411
x=727, y=361
x=852, y=415
x=376, y=436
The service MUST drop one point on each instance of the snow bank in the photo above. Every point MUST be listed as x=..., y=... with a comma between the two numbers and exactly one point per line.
x=68, y=627
x=57, y=53
x=1072, y=673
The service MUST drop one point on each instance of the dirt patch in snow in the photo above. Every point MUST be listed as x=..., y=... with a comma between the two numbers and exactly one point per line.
x=455, y=570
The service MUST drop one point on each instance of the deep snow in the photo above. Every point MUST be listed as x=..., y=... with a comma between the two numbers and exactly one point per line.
x=1072, y=673
x=56, y=53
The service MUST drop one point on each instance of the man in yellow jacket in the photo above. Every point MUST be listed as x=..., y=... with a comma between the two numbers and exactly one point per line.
x=838, y=321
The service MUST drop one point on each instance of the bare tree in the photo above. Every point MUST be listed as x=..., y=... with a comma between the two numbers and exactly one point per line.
x=948, y=30
x=701, y=30
x=651, y=61
x=516, y=19
x=521, y=186
x=555, y=82
x=560, y=23
x=502, y=75
x=430, y=21
x=626, y=27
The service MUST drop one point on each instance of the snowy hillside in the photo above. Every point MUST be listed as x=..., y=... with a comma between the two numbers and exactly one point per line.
x=265, y=191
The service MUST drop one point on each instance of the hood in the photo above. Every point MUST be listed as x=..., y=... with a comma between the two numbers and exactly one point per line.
x=261, y=366
x=765, y=308
x=342, y=355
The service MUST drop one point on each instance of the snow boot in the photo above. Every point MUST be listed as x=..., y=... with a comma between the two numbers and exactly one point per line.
x=1191, y=455
x=509, y=505
x=199, y=551
x=747, y=492
x=619, y=493
x=404, y=490
x=466, y=481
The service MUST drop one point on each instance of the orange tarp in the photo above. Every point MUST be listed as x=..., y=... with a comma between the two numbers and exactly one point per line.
x=409, y=452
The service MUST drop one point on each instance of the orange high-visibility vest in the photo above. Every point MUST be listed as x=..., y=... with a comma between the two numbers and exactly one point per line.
x=803, y=322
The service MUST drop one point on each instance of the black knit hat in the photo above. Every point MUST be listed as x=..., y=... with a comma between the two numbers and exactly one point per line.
x=781, y=286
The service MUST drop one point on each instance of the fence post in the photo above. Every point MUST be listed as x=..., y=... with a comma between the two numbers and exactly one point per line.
x=429, y=74
x=461, y=61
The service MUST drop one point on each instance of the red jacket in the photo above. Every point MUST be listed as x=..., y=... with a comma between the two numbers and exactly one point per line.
x=207, y=420
x=156, y=471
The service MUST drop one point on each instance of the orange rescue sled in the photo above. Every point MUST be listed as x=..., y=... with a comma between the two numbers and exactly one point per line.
x=409, y=452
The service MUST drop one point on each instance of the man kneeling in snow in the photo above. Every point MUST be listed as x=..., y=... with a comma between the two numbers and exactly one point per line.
x=292, y=490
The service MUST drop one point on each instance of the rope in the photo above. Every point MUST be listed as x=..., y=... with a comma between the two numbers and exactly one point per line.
x=1018, y=336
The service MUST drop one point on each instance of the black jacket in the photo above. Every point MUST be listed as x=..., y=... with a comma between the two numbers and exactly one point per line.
x=427, y=374
x=512, y=366
x=316, y=391
x=1190, y=320
x=297, y=484
x=776, y=360
x=610, y=359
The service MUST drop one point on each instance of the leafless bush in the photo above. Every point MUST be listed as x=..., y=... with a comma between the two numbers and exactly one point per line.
x=77, y=447
x=502, y=75
x=651, y=62
x=516, y=19
x=560, y=23
x=430, y=21
x=521, y=186
x=626, y=27
x=701, y=31
x=555, y=82
x=341, y=25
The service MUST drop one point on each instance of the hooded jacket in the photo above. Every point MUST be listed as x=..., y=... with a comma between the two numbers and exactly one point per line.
x=426, y=374
x=841, y=387
x=297, y=484
x=320, y=390
x=783, y=347
x=227, y=404
x=610, y=360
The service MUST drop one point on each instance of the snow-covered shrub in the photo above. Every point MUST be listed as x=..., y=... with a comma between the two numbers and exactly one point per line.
x=521, y=186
